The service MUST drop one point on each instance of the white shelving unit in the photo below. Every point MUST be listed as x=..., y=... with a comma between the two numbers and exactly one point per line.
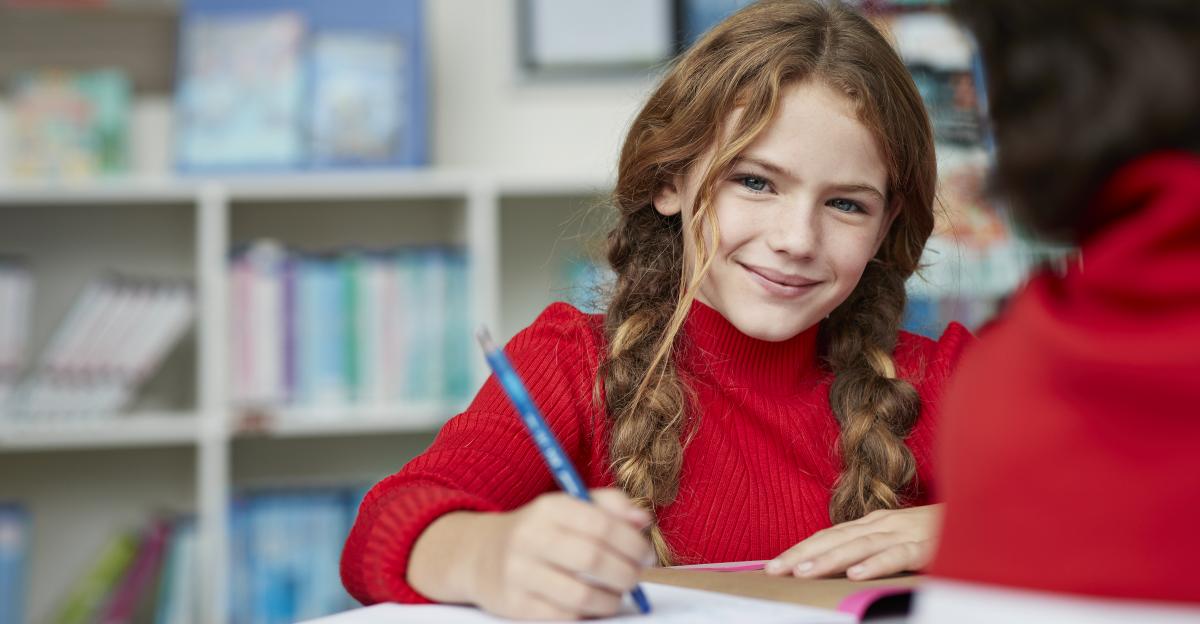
x=185, y=446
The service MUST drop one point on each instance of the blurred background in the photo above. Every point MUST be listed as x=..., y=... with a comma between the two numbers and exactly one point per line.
x=243, y=244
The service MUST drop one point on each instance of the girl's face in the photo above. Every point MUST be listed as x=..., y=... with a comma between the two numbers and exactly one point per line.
x=800, y=213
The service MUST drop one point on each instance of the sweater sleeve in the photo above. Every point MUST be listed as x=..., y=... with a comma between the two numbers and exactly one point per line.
x=929, y=365
x=482, y=459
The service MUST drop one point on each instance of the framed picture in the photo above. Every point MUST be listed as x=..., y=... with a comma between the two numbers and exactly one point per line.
x=696, y=17
x=585, y=37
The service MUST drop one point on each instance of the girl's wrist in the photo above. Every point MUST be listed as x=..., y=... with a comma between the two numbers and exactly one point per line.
x=443, y=565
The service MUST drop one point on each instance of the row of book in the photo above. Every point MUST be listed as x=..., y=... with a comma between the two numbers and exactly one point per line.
x=261, y=84
x=14, y=562
x=265, y=84
x=16, y=300
x=116, y=335
x=369, y=328
x=285, y=549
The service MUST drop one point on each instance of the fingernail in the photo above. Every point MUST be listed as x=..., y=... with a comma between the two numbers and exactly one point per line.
x=774, y=566
x=855, y=571
x=804, y=567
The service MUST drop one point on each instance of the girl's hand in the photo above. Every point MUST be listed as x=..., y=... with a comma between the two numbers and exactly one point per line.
x=558, y=557
x=882, y=543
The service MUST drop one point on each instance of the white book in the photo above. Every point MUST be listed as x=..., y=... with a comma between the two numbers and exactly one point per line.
x=239, y=334
x=266, y=324
x=176, y=309
x=81, y=321
x=92, y=348
x=131, y=330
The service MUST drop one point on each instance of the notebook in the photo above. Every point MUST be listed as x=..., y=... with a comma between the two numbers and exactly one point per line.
x=877, y=600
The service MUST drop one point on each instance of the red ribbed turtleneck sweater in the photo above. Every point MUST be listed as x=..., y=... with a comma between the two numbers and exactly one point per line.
x=756, y=478
x=1071, y=449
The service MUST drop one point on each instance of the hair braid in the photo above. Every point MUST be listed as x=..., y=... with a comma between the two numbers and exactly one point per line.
x=875, y=408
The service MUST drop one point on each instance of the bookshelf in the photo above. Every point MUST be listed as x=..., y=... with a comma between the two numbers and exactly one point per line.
x=184, y=430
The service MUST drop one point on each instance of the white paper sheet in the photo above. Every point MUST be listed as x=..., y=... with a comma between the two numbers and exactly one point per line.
x=670, y=604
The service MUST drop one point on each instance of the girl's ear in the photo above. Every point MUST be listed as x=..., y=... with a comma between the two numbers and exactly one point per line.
x=667, y=200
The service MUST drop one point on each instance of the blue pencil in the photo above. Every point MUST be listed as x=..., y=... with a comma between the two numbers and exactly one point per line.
x=560, y=467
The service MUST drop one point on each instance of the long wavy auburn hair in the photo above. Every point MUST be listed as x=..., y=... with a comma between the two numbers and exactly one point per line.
x=747, y=62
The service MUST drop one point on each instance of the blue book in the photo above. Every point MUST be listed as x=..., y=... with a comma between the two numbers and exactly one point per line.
x=14, y=561
x=318, y=522
x=358, y=107
x=414, y=296
x=306, y=325
x=351, y=91
x=272, y=588
x=240, y=95
x=239, y=561
x=457, y=342
x=321, y=332
x=178, y=602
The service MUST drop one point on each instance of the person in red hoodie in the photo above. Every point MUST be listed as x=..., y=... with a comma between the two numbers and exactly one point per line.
x=1070, y=453
x=748, y=385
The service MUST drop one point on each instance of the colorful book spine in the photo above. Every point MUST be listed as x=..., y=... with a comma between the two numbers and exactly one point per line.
x=370, y=328
x=141, y=575
x=14, y=562
x=89, y=594
x=178, y=602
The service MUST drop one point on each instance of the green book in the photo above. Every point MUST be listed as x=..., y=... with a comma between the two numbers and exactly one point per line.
x=90, y=592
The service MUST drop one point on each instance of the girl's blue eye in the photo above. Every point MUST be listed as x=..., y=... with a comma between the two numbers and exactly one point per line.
x=845, y=205
x=755, y=183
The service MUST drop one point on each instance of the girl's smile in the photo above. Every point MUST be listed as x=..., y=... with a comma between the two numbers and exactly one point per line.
x=779, y=284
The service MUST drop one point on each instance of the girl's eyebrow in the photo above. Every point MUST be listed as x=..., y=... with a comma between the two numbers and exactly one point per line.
x=771, y=167
x=845, y=187
x=859, y=188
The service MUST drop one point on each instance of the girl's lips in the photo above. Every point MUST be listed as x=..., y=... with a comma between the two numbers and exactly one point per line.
x=771, y=282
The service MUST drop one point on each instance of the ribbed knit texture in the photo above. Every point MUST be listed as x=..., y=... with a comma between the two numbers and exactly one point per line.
x=1071, y=448
x=756, y=479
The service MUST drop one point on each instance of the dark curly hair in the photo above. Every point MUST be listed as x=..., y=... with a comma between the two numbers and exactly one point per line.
x=1078, y=87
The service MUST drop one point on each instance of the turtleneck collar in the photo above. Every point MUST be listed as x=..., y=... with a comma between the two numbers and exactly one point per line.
x=718, y=349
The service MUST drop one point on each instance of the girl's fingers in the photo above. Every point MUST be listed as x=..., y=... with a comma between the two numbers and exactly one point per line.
x=600, y=525
x=817, y=544
x=903, y=557
x=566, y=591
x=837, y=560
x=576, y=554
